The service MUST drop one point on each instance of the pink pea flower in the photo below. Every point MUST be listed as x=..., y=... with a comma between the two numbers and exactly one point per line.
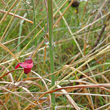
x=27, y=65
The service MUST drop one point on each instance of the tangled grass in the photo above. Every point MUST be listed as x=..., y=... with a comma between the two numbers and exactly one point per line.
x=80, y=55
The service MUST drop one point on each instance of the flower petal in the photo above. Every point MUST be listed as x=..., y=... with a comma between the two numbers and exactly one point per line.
x=18, y=65
x=29, y=61
x=27, y=70
x=27, y=65
x=23, y=65
x=30, y=65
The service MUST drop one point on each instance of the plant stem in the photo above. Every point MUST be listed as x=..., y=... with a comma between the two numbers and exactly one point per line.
x=20, y=33
x=36, y=41
x=50, y=29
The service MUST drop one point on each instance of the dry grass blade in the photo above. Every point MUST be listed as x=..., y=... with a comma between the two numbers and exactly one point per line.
x=3, y=88
x=6, y=49
x=72, y=102
x=78, y=86
x=38, y=47
x=30, y=105
x=102, y=107
x=3, y=2
x=1, y=103
x=78, y=46
x=86, y=62
x=15, y=15
x=63, y=13
x=6, y=74
x=8, y=11
x=92, y=23
x=87, y=77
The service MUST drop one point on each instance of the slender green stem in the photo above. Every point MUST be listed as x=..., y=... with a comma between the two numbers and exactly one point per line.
x=50, y=29
x=34, y=16
x=20, y=33
x=36, y=41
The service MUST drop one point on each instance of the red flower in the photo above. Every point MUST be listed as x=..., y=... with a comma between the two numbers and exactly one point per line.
x=27, y=65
